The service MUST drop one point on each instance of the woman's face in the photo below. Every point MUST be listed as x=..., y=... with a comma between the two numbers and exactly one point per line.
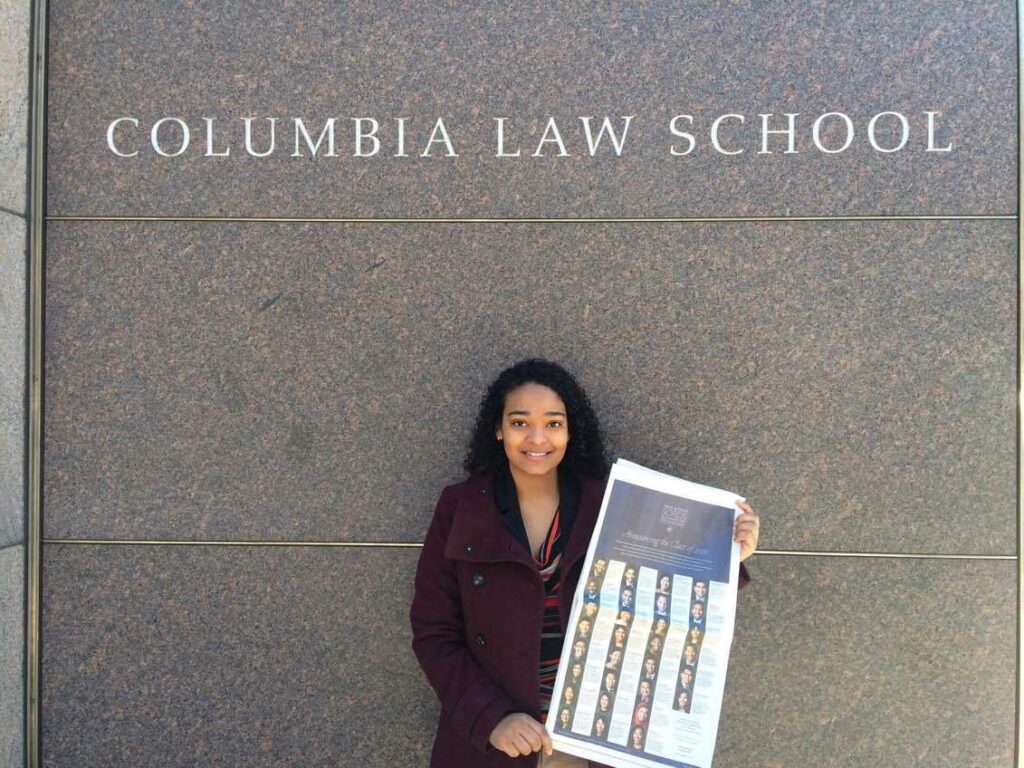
x=534, y=429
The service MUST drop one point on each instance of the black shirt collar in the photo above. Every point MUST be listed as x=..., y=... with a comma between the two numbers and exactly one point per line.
x=507, y=500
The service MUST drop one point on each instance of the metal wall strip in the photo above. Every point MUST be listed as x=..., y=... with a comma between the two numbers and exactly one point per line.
x=33, y=461
x=418, y=545
x=534, y=220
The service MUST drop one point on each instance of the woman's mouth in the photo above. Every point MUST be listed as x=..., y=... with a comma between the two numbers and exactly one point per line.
x=536, y=455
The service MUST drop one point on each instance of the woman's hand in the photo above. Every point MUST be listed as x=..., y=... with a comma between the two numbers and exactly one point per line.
x=519, y=734
x=745, y=530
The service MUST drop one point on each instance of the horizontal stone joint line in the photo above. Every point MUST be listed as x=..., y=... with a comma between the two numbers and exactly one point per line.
x=419, y=545
x=21, y=215
x=532, y=220
x=238, y=543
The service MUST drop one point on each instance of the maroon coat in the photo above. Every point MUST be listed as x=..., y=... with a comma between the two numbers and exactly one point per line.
x=476, y=618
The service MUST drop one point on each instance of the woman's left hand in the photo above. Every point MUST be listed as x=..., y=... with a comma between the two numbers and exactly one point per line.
x=745, y=530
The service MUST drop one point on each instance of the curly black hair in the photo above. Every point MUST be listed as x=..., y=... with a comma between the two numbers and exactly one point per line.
x=585, y=452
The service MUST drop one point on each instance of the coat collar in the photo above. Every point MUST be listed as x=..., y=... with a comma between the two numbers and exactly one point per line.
x=507, y=501
x=478, y=535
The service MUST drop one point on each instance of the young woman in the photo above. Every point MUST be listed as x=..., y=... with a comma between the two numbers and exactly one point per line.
x=500, y=564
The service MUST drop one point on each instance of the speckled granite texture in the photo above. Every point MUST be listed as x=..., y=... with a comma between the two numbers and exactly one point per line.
x=850, y=663
x=12, y=655
x=230, y=657
x=529, y=61
x=14, y=43
x=254, y=657
x=278, y=381
x=14, y=101
x=256, y=381
x=13, y=381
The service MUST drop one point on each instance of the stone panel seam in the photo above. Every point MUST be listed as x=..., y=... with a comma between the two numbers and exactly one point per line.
x=528, y=219
x=1018, y=725
x=14, y=213
x=417, y=545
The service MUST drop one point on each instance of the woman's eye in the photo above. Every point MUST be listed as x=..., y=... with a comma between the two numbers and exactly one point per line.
x=518, y=423
x=555, y=424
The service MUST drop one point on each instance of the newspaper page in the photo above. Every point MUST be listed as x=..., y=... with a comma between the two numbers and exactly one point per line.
x=643, y=667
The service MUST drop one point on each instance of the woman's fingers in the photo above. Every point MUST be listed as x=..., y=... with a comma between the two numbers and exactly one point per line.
x=519, y=742
x=746, y=529
x=748, y=521
x=509, y=748
x=543, y=740
x=519, y=734
x=533, y=738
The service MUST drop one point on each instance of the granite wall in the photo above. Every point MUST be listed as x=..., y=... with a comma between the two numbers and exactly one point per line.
x=289, y=349
x=14, y=213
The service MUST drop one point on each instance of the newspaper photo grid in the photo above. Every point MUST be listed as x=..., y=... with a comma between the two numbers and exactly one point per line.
x=643, y=668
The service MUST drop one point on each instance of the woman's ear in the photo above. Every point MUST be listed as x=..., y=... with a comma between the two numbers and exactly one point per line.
x=497, y=434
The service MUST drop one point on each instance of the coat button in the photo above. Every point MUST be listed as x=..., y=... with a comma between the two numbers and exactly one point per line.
x=469, y=548
x=478, y=580
x=483, y=491
x=481, y=640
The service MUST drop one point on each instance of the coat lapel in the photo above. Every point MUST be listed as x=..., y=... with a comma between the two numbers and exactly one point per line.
x=591, y=492
x=477, y=534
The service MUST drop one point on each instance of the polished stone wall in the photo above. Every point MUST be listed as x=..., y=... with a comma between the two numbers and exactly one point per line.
x=834, y=337
x=14, y=213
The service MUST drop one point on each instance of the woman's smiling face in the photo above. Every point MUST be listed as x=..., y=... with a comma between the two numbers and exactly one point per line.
x=534, y=429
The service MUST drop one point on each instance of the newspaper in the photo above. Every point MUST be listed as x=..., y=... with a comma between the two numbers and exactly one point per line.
x=643, y=667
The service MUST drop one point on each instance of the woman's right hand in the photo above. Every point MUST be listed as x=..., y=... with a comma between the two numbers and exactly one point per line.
x=519, y=734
